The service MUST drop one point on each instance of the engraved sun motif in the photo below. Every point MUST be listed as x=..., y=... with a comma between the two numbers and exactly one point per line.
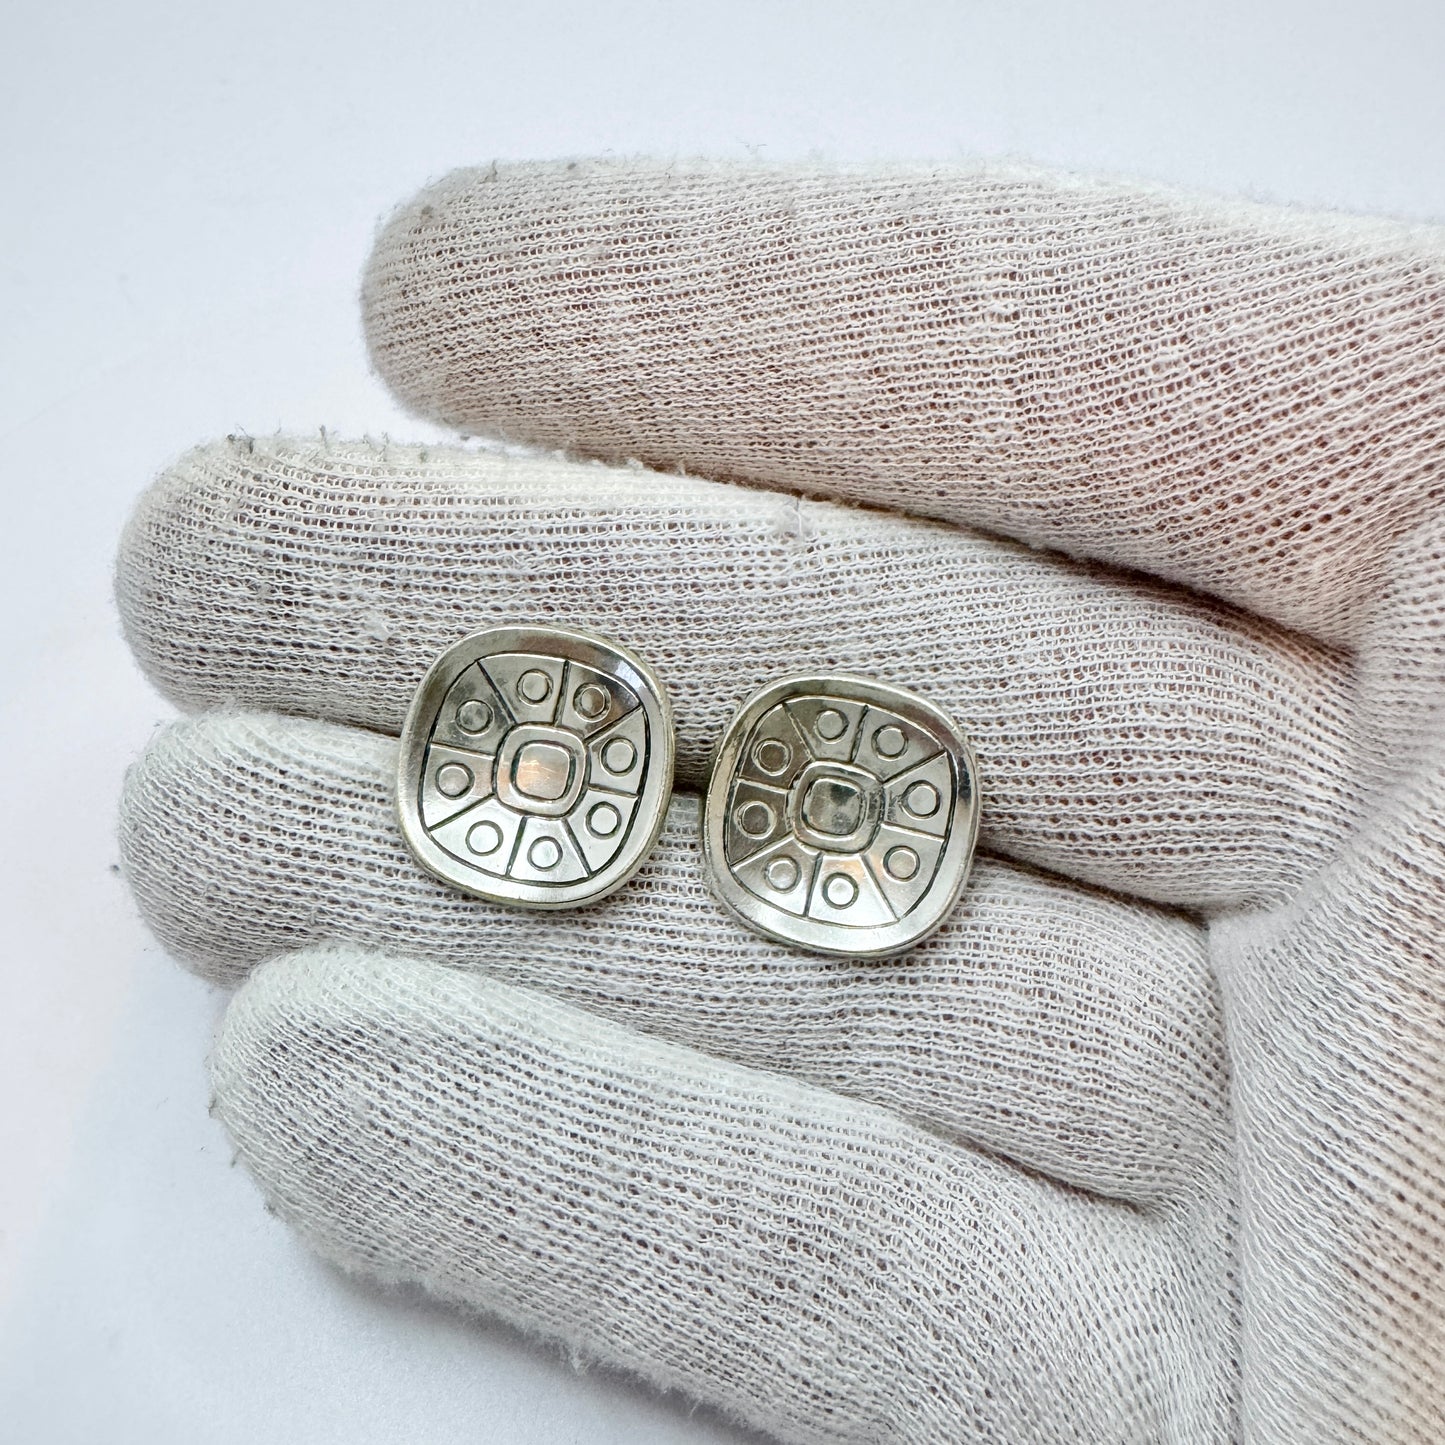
x=533, y=768
x=837, y=811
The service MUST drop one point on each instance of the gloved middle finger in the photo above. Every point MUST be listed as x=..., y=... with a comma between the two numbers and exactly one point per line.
x=1129, y=735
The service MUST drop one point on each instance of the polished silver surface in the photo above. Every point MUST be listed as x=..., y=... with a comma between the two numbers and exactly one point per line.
x=536, y=766
x=841, y=815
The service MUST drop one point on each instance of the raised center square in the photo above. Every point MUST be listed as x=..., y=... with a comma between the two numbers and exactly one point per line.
x=542, y=771
x=833, y=806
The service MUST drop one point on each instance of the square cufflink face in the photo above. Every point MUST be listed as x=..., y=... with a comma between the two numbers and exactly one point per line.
x=536, y=766
x=841, y=815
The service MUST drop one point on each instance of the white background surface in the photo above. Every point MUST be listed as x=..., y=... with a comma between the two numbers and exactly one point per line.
x=187, y=193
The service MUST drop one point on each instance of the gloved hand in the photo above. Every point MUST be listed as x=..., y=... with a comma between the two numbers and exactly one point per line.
x=1147, y=1143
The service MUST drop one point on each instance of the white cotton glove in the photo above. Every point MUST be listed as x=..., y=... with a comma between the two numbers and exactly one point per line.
x=1146, y=1144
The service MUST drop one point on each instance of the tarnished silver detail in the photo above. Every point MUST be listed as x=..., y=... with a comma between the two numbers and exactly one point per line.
x=841, y=815
x=536, y=766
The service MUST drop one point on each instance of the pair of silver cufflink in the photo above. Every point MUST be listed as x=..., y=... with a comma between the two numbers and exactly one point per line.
x=536, y=767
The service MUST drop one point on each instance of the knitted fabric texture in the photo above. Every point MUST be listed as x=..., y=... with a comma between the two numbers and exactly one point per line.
x=322, y=578
x=1146, y=1143
x=1235, y=397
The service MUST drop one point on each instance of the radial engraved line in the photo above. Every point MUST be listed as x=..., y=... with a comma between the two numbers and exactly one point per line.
x=450, y=817
x=457, y=813
x=497, y=692
x=592, y=785
x=798, y=733
x=564, y=683
x=896, y=782
x=605, y=736
x=897, y=778
x=765, y=787
x=812, y=884
x=581, y=852
x=860, y=735
x=813, y=880
x=902, y=828
x=516, y=841
x=877, y=883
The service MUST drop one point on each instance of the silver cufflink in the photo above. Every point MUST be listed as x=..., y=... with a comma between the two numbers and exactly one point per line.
x=841, y=815
x=536, y=766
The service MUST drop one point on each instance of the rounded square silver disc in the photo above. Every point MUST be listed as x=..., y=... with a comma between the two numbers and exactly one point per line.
x=841, y=815
x=536, y=766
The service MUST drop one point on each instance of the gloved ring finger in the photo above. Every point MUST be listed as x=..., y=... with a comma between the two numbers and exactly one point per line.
x=1071, y=1031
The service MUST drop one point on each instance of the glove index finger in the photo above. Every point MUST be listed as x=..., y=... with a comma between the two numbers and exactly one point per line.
x=1234, y=397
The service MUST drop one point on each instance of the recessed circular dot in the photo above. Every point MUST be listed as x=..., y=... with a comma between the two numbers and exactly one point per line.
x=830, y=724
x=755, y=819
x=544, y=853
x=534, y=686
x=889, y=742
x=590, y=701
x=921, y=800
x=453, y=780
x=485, y=838
x=840, y=890
x=618, y=756
x=603, y=820
x=782, y=874
x=772, y=755
x=474, y=716
x=900, y=863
